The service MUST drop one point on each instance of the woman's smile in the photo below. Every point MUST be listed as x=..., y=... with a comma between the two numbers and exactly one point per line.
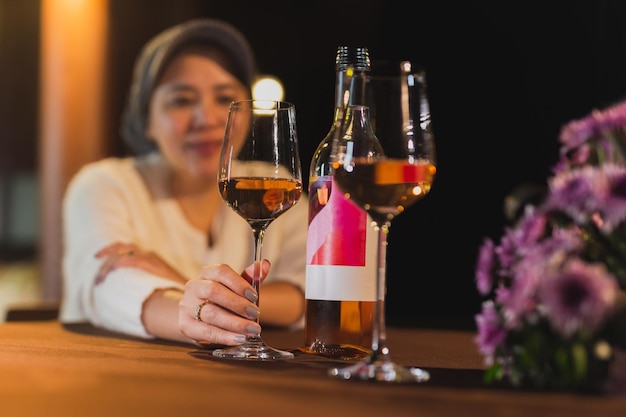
x=205, y=148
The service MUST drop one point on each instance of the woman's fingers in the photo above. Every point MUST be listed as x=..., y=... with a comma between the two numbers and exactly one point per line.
x=229, y=278
x=118, y=249
x=112, y=254
x=248, y=273
x=222, y=286
x=220, y=307
x=119, y=255
x=214, y=324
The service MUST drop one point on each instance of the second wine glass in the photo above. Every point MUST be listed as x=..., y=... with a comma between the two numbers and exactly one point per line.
x=259, y=177
x=384, y=173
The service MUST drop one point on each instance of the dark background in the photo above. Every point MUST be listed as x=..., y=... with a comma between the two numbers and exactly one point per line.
x=503, y=78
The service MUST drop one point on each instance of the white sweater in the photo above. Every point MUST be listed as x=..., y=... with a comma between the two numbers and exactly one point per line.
x=109, y=201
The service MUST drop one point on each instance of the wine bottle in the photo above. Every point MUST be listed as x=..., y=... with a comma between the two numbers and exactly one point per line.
x=341, y=246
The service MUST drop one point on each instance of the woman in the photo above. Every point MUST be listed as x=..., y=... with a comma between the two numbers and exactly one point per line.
x=150, y=249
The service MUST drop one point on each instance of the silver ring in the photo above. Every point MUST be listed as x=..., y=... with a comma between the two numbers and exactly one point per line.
x=199, y=310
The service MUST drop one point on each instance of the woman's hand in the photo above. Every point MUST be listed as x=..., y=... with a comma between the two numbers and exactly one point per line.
x=219, y=306
x=120, y=255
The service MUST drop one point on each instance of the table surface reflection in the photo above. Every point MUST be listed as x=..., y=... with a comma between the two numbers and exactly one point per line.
x=47, y=369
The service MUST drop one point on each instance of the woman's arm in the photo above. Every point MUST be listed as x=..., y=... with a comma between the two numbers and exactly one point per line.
x=167, y=311
x=281, y=303
x=228, y=314
x=160, y=315
x=107, y=202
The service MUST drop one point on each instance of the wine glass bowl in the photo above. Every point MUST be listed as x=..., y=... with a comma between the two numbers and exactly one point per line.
x=259, y=177
x=385, y=187
x=384, y=172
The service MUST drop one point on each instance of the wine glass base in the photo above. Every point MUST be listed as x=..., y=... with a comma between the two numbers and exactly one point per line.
x=382, y=371
x=253, y=349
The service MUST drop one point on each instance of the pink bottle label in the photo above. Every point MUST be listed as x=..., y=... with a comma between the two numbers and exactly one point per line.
x=337, y=227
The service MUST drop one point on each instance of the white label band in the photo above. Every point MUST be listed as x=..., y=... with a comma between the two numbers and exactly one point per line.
x=337, y=283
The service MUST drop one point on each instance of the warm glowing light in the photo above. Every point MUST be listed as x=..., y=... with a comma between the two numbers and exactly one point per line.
x=267, y=87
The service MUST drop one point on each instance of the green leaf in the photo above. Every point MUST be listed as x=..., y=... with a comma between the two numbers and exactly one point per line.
x=493, y=373
x=579, y=357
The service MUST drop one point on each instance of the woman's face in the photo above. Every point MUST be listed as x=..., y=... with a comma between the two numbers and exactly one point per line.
x=188, y=112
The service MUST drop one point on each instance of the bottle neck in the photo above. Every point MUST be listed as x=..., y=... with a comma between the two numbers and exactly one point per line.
x=356, y=89
x=358, y=123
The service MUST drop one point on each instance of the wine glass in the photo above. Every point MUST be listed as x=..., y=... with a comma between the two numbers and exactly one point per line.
x=385, y=184
x=260, y=178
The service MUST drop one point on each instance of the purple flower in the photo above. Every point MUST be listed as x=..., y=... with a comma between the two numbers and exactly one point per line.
x=531, y=228
x=579, y=192
x=484, y=267
x=576, y=133
x=578, y=297
x=612, y=207
x=597, y=124
x=595, y=136
x=491, y=334
x=555, y=275
x=569, y=158
x=563, y=242
x=519, y=300
x=517, y=241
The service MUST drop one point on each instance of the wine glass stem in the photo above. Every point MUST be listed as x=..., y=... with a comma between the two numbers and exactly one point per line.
x=258, y=246
x=380, y=351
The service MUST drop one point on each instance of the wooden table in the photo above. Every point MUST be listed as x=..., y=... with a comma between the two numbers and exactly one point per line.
x=50, y=370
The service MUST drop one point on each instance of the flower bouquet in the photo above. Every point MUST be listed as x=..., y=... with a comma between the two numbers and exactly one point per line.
x=554, y=314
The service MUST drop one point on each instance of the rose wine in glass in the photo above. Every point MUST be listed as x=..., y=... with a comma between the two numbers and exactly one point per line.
x=260, y=178
x=385, y=184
